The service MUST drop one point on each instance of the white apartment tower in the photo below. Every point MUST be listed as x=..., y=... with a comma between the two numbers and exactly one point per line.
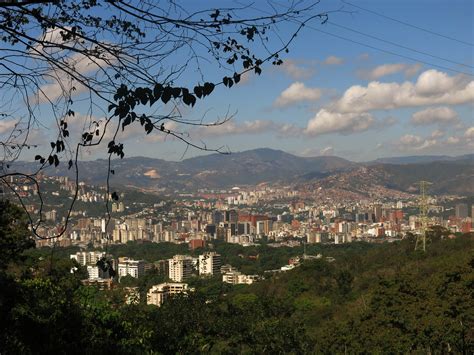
x=180, y=267
x=134, y=268
x=209, y=263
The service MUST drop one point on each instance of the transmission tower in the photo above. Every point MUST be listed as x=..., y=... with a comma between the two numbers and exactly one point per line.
x=422, y=216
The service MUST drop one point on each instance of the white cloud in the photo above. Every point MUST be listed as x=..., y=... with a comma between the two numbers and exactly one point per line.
x=297, y=70
x=297, y=92
x=437, y=133
x=410, y=139
x=388, y=69
x=453, y=140
x=289, y=130
x=335, y=122
x=6, y=126
x=411, y=70
x=412, y=142
x=431, y=115
x=469, y=132
x=433, y=143
x=426, y=91
x=433, y=82
x=234, y=128
x=61, y=83
x=333, y=60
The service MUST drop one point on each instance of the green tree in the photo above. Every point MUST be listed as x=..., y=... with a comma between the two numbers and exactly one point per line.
x=15, y=237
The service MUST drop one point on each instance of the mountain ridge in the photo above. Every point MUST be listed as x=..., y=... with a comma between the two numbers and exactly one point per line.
x=251, y=167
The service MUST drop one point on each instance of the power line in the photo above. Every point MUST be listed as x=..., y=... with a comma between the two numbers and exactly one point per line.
x=409, y=24
x=398, y=45
x=373, y=47
x=390, y=52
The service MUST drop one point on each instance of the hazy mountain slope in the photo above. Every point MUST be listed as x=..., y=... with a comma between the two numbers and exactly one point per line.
x=448, y=175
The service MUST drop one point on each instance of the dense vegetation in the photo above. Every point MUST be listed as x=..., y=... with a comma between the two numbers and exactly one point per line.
x=376, y=299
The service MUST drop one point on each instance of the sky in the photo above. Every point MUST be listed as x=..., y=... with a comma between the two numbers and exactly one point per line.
x=335, y=97
x=361, y=86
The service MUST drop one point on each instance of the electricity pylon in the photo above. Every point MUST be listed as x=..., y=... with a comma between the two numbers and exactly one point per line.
x=422, y=216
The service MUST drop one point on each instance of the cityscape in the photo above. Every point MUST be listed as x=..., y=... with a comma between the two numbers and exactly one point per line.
x=278, y=216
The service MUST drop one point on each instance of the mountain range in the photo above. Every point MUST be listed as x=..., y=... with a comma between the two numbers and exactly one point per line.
x=454, y=175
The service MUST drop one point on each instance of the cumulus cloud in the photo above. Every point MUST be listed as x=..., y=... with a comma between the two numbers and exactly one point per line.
x=326, y=122
x=432, y=115
x=62, y=84
x=297, y=70
x=412, y=142
x=469, y=132
x=333, y=60
x=410, y=139
x=289, y=130
x=431, y=88
x=234, y=128
x=6, y=126
x=283, y=130
x=388, y=69
x=433, y=143
x=297, y=92
x=453, y=140
x=437, y=134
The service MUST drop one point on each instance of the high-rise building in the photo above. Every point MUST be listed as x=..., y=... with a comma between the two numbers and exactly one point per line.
x=377, y=212
x=461, y=210
x=231, y=216
x=209, y=263
x=180, y=267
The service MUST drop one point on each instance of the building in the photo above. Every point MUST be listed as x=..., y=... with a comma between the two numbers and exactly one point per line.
x=196, y=243
x=158, y=294
x=134, y=268
x=180, y=267
x=461, y=210
x=209, y=263
x=87, y=258
x=96, y=272
x=237, y=278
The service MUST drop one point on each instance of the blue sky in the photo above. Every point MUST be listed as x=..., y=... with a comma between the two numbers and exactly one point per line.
x=325, y=67
x=336, y=97
x=318, y=61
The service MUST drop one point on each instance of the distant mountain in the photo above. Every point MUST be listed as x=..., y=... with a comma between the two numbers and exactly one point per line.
x=215, y=170
x=256, y=166
x=448, y=174
x=416, y=159
x=447, y=177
